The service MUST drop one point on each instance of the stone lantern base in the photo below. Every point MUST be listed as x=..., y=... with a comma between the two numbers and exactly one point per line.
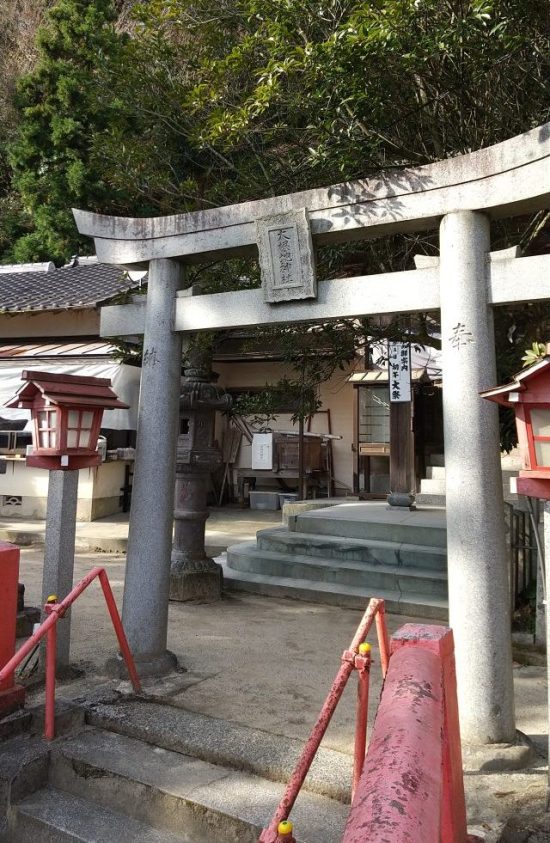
x=196, y=580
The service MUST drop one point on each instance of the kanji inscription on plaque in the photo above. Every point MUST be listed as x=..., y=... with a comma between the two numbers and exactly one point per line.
x=286, y=256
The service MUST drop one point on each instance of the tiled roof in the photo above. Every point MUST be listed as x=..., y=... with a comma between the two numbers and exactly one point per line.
x=69, y=287
x=22, y=352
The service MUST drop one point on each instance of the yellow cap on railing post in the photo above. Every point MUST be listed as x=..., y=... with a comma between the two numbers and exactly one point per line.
x=285, y=828
x=365, y=648
x=52, y=598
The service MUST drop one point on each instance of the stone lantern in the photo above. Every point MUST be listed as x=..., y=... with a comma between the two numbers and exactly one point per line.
x=66, y=412
x=193, y=575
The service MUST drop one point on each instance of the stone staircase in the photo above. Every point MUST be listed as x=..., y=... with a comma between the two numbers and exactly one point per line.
x=145, y=772
x=432, y=487
x=348, y=553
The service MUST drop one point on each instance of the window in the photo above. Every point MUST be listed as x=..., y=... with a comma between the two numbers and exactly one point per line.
x=540, y=420
x=46, y=421
x=374, y=414
x=79, y=428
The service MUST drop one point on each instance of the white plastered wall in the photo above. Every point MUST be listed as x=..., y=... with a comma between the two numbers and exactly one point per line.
x=98, y=490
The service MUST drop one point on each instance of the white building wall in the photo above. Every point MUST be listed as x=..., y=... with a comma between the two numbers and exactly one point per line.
x=24, y=490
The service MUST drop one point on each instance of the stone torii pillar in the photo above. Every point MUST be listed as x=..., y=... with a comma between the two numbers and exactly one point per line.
x=479, y=605
x=147, y=583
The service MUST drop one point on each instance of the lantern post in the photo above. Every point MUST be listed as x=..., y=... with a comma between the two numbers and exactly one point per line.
x=66, y=412
x=528, y=395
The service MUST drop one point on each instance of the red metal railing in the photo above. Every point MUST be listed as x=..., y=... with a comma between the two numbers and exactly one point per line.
x=54, y=612
x=357, y=657
x=412, y=785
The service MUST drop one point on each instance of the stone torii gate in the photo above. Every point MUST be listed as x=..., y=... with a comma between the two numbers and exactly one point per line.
x=460, y=195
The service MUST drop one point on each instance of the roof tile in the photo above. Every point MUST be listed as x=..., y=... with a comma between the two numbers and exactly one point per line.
x=62, y=289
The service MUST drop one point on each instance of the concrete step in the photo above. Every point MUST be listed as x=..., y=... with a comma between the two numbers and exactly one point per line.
x=373, y=552
x=223, y=743
x=53, y=816
x=182, y=795
x=432, y=487
x=431, y=500
x=349, y=597
x=435, y=472
x=378, y=522
x=375, y=577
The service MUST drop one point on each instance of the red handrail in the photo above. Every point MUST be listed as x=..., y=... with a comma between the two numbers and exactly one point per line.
x=48, y=627
x=412, y=781
x=351, y=660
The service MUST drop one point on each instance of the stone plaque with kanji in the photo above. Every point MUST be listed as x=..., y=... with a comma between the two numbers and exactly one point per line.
x=286, y=256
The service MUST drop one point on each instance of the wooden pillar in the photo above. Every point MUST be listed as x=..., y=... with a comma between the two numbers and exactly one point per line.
x=402, y=475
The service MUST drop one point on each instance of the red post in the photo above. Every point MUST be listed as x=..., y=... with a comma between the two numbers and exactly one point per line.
x=362, y=665
x=119, y=629
x=49, y=715
x=439, y=640
x=12, y=696
x=383, y=640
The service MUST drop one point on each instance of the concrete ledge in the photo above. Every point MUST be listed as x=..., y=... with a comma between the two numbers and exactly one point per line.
x=24, y=769
x=15, y=724
x=224, y=743
x=292, y=510
x=349, y=597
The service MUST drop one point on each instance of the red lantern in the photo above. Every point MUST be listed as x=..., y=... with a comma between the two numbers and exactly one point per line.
x=529, y=396
x=66, y=412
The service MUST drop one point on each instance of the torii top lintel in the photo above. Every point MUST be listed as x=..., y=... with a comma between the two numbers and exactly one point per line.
x=503, y=180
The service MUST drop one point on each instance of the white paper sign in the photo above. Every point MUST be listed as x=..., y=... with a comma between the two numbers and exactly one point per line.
x=262, y=451
x=399, y=369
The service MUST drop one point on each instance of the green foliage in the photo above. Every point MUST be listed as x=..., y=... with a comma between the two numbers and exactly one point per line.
x=534, y=354
x=340, y=87
x=63, y=103
x=264, y=406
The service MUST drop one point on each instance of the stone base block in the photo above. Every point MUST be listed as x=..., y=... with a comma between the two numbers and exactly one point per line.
x=204, y=585
x=498, y=757
x=11, y=699
x=155, y=665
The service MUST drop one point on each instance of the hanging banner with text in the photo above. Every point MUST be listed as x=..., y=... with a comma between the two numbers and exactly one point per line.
x=399, y=369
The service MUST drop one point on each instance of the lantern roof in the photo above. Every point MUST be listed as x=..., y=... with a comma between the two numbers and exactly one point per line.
x=513, y=393
x=66, y=390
